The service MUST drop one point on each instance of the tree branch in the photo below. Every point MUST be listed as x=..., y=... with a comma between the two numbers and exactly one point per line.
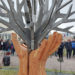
x=30, y=9
x=4, y=22
x=64, y=5
x=4, y=5
x=46, y=6
x=41, y=14
x=44, y=25
x=26, y=13
x=19, y=13
x=3, y=15
x=15, y=16
x=59, y=3
x=5, y=29
x=64, y=30
x=69, y=20
x=72, y=13
x=69, y=11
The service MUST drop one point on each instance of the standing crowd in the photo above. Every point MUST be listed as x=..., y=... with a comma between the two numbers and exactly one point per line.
x=7, y=46
x=69, y=46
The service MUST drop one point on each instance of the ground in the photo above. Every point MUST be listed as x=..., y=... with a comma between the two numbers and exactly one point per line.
x=52, y=63
x=67, y=65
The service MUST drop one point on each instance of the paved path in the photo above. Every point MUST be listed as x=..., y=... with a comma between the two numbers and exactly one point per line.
x=67, y=65
x=52, y=63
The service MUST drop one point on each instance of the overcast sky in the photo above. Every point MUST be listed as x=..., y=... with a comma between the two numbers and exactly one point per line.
x=65, y=10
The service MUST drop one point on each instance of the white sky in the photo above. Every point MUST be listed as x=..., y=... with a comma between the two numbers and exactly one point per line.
x=65, y=10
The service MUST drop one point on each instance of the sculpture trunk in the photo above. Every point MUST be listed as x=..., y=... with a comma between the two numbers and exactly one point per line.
x=34, y=67
x=34, y=63
x=23, y=67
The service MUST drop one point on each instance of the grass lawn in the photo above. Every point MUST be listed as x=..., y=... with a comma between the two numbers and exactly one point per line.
x=15, y=72
x=54, y=70
x=8, y=72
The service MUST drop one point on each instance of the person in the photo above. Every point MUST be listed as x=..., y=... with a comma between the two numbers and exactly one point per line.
x=4, y=45
x=73, y=47
x=12, y=49
x=60, y=50
x=1, y=44
x=8, y=45
x=68, y=47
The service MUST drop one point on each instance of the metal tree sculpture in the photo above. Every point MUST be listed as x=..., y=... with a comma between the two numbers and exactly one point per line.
x=32, y=26
x=35, y=28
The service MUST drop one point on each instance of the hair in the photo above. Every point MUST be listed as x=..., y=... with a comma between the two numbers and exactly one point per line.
x=69, y=40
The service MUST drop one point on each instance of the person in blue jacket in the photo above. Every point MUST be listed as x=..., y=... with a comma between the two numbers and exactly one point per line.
x=73, y=47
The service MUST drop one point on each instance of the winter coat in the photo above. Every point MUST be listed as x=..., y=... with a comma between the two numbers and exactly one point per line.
x=68, y=46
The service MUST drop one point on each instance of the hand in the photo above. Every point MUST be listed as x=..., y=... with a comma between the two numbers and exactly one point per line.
x=14, y=36
x=21, y=49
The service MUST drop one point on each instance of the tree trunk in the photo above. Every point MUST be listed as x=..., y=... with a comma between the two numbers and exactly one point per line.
x=34, y=63
x=36, y=66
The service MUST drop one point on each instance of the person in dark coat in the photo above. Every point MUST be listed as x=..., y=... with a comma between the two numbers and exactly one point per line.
x=0, y=44
x=8, y=45
x=60, y=50
x=4, y=46
x=68, y=47
x=12, y=49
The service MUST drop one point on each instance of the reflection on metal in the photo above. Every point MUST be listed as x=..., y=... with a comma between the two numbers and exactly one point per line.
x=22, y=22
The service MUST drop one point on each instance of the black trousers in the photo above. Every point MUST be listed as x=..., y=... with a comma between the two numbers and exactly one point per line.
x=69, y=53
x=61, y=55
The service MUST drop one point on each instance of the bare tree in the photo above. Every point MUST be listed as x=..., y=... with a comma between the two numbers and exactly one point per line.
x=36, y=26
